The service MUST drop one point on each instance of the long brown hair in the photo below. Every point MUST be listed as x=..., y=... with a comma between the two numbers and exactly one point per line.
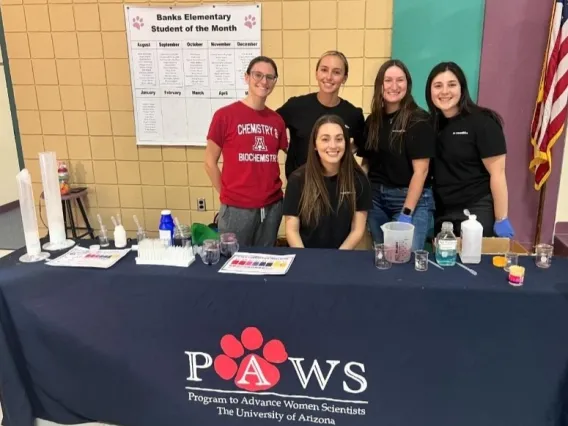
x=406, y=113
x=315, y=201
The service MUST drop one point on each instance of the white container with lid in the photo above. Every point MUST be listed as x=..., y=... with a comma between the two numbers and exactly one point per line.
x=471, y=239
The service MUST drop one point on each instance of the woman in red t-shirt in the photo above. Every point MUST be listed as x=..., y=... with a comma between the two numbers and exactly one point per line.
x=249, y=135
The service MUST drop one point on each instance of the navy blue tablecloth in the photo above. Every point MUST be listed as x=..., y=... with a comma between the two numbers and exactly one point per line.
x=140, y=345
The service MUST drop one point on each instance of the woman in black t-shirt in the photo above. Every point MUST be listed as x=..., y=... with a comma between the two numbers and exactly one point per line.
x=469, y=168
x=327, y=199
x=396, y=150
x=301, y=112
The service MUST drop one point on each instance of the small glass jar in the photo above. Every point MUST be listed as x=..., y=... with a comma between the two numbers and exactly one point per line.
x=182, y=237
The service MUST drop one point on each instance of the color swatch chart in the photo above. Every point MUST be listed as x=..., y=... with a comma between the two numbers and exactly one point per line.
x=258, y=264
x=81, y=257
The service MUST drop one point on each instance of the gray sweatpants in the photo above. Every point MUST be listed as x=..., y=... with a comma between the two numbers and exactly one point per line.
x=253, y=227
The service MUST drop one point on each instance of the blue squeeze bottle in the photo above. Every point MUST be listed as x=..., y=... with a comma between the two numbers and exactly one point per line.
x=167, y=226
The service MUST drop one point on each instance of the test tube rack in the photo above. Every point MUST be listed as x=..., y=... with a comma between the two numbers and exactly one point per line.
x=153, y=251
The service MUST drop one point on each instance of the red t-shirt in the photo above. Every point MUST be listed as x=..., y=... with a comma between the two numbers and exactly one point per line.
x=250, y=141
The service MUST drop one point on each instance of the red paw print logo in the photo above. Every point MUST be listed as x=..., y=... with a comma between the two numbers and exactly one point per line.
x=250, y=21
x=138, y=22
x=254, y=372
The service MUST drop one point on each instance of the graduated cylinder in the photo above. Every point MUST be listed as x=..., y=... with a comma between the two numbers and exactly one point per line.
x=29, y=218
x=51, y=192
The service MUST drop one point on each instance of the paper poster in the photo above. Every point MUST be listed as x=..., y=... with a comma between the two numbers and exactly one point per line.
x=258, y=264
x=185, y=63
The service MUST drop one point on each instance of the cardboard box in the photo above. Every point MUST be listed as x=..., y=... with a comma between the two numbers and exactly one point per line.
x=496, y=245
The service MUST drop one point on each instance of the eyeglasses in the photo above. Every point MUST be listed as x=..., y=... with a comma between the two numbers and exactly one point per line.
x=258, y=76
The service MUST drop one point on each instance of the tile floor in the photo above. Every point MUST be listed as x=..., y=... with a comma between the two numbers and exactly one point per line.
x=5, y=252
x=11, y=230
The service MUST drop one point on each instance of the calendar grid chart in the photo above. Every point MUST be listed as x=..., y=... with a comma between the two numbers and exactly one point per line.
x=197, y=91
x=171, y=80
x=146, y=88
x=186, y=63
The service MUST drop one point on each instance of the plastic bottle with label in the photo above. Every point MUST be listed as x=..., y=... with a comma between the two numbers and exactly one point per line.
x=120, y=239
x=446, y=245
x=471, y=239
x=166, y=228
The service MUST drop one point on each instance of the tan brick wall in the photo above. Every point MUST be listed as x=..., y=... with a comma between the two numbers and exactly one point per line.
x=70, y=70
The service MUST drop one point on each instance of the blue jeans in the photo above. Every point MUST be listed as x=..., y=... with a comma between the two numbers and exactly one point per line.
x=387, y=205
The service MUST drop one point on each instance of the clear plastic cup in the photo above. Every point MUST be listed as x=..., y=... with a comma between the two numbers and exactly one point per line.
x=381, y=258
x=543, y=257
x=511, y=259
x=103, y=237
x=229, y=244
x=421, y=260
x=210, y=252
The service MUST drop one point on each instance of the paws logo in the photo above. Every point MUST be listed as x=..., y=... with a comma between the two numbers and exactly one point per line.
x=254, y=365
x=253, y=372
x=138, y=22
x=250, y=21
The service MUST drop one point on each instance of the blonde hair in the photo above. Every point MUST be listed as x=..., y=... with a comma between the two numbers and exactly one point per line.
x=340, y=55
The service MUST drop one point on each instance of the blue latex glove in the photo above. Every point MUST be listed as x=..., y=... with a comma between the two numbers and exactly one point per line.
x=503, y=228
x=404, y=218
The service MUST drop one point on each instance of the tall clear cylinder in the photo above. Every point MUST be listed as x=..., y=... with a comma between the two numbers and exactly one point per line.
x=29, y=218
x=52, y=195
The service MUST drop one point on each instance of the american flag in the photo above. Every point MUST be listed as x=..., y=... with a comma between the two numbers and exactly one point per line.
x=550, y=112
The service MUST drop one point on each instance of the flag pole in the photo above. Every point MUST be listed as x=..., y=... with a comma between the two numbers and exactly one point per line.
x=539, y=215
x=540, y=98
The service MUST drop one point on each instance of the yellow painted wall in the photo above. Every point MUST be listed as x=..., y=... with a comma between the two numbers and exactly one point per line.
x=9, y=165
x=69, y=64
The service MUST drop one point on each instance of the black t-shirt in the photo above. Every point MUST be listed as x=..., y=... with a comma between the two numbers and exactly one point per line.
x=300, y=114
x=331, y=230
x=391, y=165
x=460, y=177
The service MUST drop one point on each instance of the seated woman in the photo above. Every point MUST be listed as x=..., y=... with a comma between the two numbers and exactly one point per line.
x=327, y=199
x=469, y=168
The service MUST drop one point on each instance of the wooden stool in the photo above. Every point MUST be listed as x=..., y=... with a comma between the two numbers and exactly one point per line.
x=75, y=194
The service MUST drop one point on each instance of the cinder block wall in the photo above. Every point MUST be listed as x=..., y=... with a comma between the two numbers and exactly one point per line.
x=70, y=70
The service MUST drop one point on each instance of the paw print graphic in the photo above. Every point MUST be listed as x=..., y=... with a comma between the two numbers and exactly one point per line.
x=138, y=22
x=254, y=372
x=250, y=21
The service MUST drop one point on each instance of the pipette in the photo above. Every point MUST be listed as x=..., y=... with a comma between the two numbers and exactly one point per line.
x=176, y=221
x=140, y=233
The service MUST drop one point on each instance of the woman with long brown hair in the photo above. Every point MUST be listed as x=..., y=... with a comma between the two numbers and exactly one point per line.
x=398, y=144
x=327, y=199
